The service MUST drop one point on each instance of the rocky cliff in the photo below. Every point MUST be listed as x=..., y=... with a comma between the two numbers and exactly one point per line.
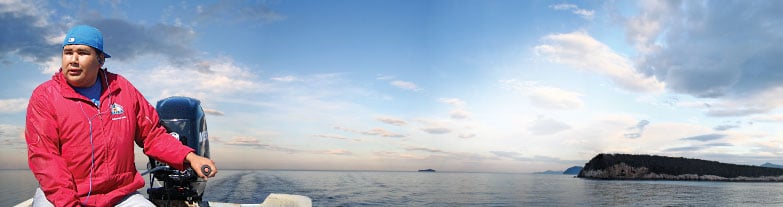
x=652, y=167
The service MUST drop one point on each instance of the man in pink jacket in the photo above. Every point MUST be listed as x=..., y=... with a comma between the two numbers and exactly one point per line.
x=81, y=127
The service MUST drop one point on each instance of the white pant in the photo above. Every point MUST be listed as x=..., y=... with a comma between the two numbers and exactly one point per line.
x=132, y=200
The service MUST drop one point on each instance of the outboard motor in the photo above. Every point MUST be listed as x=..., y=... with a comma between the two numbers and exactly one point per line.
x=184, y=119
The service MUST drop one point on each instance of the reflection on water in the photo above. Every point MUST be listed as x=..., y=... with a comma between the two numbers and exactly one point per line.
x=330, y=188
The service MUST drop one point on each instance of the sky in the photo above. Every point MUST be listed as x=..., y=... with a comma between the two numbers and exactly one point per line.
x=477, y=86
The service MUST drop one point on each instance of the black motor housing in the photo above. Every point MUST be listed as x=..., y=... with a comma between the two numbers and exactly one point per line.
x=184, y=119
x=184, y=116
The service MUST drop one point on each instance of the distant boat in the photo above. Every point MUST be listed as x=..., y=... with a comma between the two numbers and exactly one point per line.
x=427, y=170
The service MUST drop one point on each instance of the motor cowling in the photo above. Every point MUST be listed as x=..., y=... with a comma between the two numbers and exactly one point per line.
x=185, y=120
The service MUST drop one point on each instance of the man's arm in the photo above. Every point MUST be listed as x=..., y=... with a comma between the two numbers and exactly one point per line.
x=196, y=162
x=44, y=158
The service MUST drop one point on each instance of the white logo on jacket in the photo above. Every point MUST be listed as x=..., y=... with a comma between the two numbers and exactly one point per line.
x=116, y=109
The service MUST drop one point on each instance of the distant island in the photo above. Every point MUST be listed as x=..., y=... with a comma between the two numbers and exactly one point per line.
x=549, y=172
x=573, y=170
x=653, y=167
x=427, y=170
x=771, y=165
x=570, y=171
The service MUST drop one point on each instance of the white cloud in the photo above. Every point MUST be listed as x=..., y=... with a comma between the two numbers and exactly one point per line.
x=437, y=130
x=458, y=111
x=405, y=85
x=330, y=136
x=382, y=132
x=768, y=118
x=424, y=149
x=467, y=135
x=564, y=6
x=587, y=14
x=51, y=65
x=216, y=78
x=214, y=112
x=372, y=132
x=384, y=77
x=244, y=141
x=584, y=13
x=453, y=101
x=335, y=152
x=392, y=121
x=760, y=102
x=643, y=30
x=12, y=136
x=545, y=96
x=13, y=105
x=546, y=126
x=438, y=126
x=288, y=78
x=223, y=12
x=580, y=50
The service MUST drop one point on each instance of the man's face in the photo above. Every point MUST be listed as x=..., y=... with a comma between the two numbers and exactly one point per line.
x=81, y=65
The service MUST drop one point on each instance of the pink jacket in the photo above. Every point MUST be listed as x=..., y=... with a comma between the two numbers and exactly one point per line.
x=61, y=124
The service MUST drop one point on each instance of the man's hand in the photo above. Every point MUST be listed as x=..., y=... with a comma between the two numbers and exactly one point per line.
x=197, y=161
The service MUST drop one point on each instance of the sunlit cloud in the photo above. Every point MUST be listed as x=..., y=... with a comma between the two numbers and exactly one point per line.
x=392, y=121
x=546, y=126
x=760, y=102
x=214, y=112
x=458, y=110
x=767, y=118
x=545, y=96
x=220, y=78
x=580, y=50
x=382, y=132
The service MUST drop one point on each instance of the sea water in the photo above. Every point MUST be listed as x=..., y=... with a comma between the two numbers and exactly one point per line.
x=357, y=188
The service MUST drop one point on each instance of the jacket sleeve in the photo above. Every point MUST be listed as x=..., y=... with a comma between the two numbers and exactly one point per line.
x=153, y=137
x=44, y=154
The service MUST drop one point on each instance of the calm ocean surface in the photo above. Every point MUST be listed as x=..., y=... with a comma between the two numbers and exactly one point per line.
x=351, y=188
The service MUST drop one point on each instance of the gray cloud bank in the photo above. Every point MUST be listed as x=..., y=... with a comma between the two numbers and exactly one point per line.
x=711, y=48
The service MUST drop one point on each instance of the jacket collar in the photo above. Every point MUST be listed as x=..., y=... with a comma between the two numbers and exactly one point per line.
x=107, y=80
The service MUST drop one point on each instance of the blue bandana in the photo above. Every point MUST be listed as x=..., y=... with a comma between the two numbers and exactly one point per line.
x=85, y=35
